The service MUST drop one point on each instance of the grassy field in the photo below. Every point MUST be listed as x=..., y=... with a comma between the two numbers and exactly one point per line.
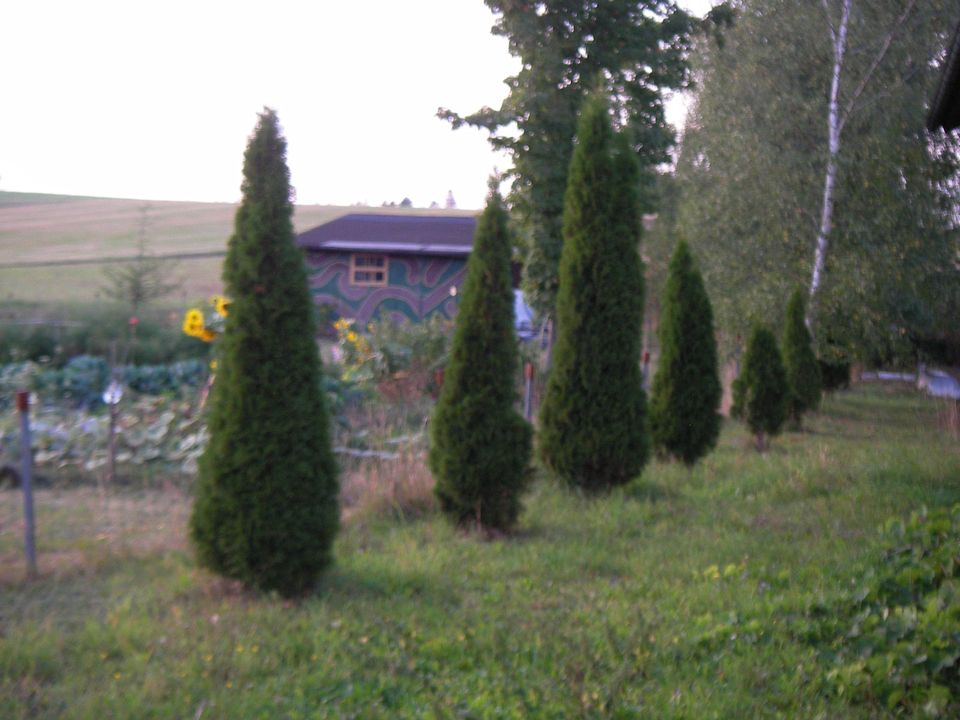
x=36, y=228
x=667, y=599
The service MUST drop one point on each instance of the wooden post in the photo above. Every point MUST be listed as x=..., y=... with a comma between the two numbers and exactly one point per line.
x=528, y=390
x=26, y=482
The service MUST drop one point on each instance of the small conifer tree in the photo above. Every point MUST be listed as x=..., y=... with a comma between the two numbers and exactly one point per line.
x=593, y=432
x=761, y=390
x=800, y=362
x=684, y=422
x=480, y=445
x=265, y=510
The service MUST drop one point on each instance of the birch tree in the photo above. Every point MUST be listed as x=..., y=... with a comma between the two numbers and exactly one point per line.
x=804, y=163
x=839, y=111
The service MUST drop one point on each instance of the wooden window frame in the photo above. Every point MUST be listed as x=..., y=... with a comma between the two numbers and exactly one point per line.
x=370, y=269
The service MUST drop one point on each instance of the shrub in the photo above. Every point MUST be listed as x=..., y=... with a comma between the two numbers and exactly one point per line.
x=799, y=361
x=760, y=393
x=896, y=639
x=265, y=509
x=834, y=374
x=480, y=446
x=686, y=391
x=593, y=431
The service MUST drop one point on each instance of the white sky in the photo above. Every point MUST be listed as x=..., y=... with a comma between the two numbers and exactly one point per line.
x=155, y=100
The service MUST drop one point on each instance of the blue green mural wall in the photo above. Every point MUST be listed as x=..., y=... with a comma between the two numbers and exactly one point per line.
x=417, y=287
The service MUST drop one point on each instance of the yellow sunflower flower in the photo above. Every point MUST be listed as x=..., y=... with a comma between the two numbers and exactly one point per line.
x=220, y=305
x=193, y=323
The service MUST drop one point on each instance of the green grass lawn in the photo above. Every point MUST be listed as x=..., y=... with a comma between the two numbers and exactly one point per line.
x=671, y=598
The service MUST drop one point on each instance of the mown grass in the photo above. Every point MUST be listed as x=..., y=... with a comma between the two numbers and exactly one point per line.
x=668, y=598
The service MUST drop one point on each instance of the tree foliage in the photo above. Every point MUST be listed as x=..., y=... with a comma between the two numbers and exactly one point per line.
x=761, y=390
x=686, y=393
x=637, y=50
x=799, y=361
x=480, y=446
x=593, y=419
x=750, y=175
x=265, y=510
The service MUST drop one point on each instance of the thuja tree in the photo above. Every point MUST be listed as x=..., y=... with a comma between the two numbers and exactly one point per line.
x=760, y=393
x=266, y=508
x=800, y=362
x=593, y=419
x=686, y=393
x=480, y=446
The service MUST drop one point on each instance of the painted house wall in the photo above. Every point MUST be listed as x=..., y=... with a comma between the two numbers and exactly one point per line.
x=418, y=286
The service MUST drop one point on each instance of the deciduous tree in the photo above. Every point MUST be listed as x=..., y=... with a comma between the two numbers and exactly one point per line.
x=636, y=49
x=751, y=172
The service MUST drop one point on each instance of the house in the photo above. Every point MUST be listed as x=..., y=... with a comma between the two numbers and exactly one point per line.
x=945, y=111
x=368, y=266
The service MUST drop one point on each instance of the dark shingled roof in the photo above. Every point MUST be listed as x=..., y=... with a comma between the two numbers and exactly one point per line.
x=945, y=111
x=403, y=234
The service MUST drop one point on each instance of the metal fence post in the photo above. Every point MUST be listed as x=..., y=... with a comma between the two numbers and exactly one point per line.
x=26, y=463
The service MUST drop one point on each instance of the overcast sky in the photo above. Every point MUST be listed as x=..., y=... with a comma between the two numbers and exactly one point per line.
x=151, y=100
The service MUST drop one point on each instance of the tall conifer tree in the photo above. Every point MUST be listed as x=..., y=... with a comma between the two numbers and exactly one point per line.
x=480, y=446
x=800, y=362
x=761, y=390
x=686, y=390
x=266, y=507
x=593, y=420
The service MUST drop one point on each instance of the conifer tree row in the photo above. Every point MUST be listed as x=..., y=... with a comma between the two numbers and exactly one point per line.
x=265, y=510
x=686, y=391
x=480, y=445
x=593, y=431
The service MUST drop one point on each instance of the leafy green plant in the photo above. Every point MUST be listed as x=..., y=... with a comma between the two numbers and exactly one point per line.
x=898, y=643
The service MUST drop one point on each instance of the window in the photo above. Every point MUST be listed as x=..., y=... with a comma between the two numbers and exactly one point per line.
x=369, y=270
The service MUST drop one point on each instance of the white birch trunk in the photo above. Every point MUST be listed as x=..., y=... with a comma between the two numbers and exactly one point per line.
x=836, y=119
x=834, y=126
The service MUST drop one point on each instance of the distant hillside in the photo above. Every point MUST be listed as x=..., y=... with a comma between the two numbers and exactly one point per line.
x=50, y=234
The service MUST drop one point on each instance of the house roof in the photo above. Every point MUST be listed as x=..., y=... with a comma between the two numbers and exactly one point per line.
x=405, y=234
x=945, y=111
